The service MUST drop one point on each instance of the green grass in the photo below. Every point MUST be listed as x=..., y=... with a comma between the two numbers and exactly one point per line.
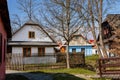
x=69, y=74
x=69, y=71
x=101, y=79
x=91, y=60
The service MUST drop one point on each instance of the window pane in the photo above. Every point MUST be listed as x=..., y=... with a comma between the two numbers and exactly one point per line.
x=41, y=51
x=82, y=49
x=24, y=52
x=31, y=34
x=74, y=50
x=29, y=52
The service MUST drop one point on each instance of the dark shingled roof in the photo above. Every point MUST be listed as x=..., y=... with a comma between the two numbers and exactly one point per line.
x=5, y=17
x=111, y=21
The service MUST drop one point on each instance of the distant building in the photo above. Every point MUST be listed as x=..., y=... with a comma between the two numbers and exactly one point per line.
x=80, y=44
x=94, y=48
x=5, y=32
x=33, y=43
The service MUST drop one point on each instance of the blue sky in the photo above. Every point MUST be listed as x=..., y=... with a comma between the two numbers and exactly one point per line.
x=13, y=8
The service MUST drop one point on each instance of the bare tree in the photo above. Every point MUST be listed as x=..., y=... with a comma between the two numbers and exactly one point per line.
x=29, y=7
x=29, y=10
x=16, y=22
x=94, y=10
x=63, y=20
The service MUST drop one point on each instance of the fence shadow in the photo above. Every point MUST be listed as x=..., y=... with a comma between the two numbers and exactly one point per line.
x=40, y=76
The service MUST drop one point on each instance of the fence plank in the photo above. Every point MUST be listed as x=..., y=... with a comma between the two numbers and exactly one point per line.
x=109, y=66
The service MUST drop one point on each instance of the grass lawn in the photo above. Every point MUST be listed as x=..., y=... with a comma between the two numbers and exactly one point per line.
x=70, y=74
x=67, y=74
x=91, y=62
x=70, y=71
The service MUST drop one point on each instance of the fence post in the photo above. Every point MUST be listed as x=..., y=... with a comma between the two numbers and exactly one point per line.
x=83, y=58
x=23, y=62
x=100, y=72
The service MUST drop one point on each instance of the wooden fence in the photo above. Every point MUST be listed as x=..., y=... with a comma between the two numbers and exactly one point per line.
x=109, y=67
x=18, y=62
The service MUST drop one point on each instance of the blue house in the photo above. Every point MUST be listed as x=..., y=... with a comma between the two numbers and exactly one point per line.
x=80, y=44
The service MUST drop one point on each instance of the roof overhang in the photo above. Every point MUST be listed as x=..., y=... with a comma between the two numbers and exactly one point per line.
x=31, y=43
x=81, y=45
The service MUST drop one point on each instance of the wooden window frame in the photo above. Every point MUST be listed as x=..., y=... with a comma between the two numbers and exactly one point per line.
x=5, y=48
x=31, y=34
x=1, y=50
x=41, y=51
x=26, y=54
x=82, y=49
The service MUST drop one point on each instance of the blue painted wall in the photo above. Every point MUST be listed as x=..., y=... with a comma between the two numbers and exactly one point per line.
x=88, y=49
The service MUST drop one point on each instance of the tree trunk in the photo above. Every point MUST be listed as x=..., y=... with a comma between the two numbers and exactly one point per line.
x=67, y=25
x=100, y=28
x=93, y=27
x=67, y=57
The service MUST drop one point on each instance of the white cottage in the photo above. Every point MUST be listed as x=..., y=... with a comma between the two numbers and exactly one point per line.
x=33, y=43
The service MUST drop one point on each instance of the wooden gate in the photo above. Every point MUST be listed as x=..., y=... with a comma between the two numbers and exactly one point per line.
x=109, y=67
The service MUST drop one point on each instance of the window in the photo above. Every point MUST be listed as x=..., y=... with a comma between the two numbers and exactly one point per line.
x=74, y=50
x=0, y=48
x=82, y=49
x=31, y=34
x=4, y=48
x=41, y=51
x=77, y=37
x=26, y=52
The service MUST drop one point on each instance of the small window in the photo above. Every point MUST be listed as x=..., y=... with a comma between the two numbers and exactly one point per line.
x=4, y=48
x=74, y=50
x=82, y=49
x=0, y=48
x=77, y=37
x=26, y=52
x=41, y=51
x=31, y=34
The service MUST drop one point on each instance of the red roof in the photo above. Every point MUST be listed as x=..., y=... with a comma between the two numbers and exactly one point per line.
x=91, y=41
